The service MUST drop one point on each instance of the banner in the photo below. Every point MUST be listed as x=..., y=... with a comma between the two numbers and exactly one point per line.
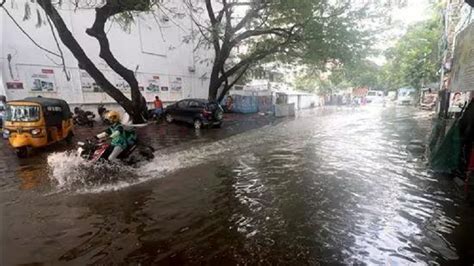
x=152, y=83
x=176, y=84
x=88, y=83
x=457, y=100
x=463, y=63
x=42, y=81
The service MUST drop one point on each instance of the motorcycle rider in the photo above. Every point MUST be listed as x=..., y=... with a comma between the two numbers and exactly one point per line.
x=120, y=138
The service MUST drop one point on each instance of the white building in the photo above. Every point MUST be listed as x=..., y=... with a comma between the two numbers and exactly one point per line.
x=159, y=47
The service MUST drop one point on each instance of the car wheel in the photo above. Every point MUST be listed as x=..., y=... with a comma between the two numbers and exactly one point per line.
x=169, y=118
x=197, y=124
x=22, y=152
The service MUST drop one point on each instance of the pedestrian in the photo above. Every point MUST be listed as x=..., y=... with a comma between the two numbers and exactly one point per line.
x=158, y=106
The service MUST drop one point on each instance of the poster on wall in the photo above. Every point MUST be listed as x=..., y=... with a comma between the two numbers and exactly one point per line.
x=457, y=101
x=43, y=81
x=176, y=84
x=88, y=84
x=152, y=83
x=164, y=88
x=14, y=85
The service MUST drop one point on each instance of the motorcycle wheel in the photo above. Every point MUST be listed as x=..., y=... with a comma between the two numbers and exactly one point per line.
x=22, y=152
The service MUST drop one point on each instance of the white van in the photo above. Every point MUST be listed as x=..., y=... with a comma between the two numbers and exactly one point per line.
x=375, y=97
x=406, y=96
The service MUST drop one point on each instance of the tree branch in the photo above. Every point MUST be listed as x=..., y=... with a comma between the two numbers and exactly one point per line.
x=214, y=27
x=84, y=62
x=228, y=86
x=97, y=31
x=254, y=9
x=26, y=34
x=253, y=33
x=59, y=49
x=254, y=57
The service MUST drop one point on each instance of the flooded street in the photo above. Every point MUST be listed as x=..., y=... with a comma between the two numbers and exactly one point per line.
x=328, y=186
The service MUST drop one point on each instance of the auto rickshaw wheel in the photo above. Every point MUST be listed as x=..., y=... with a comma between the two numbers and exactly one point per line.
x=69, y=137
x=22, y=152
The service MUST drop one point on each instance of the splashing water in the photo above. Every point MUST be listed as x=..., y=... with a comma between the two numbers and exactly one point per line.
x=70, y=172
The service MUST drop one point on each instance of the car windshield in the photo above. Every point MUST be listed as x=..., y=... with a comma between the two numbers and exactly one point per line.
x=22, y=113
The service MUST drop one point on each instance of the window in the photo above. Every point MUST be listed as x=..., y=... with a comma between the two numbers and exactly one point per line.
x=22, y=113
x=194, y=104
x=54, y=109
x=182, y=104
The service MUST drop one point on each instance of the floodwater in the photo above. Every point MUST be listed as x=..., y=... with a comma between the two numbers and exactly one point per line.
x=330, y=186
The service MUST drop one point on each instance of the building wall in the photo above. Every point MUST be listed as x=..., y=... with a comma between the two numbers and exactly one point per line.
x=159, y=47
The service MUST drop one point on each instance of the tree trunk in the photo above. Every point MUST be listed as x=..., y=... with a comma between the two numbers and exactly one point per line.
x=97, y=31
x=86, y=64
x=215, y=83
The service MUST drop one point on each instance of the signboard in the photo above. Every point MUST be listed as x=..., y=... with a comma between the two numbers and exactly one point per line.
x=463, y=64
x=14, y=85
x=42, y=81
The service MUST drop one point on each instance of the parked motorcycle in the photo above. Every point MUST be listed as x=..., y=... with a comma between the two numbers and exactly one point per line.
x=99, y=150
x=83, y=118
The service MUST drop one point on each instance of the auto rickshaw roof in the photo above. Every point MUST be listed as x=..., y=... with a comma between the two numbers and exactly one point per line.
x=45, y=102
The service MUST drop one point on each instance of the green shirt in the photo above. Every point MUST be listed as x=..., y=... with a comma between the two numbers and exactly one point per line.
x=120, y=138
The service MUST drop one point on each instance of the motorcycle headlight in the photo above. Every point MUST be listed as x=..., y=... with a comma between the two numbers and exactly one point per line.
x=36, y=131
x=80, y=143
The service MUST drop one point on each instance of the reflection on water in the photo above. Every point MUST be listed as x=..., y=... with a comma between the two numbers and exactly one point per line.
x=323, y=188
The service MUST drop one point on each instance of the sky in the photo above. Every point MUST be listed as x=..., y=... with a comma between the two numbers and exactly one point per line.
x=414, y=12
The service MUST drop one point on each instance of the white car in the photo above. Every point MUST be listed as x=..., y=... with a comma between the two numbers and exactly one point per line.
x=375, y=97
x=406, y=96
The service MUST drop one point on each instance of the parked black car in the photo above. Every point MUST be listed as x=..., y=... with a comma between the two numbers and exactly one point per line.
x=198, y=112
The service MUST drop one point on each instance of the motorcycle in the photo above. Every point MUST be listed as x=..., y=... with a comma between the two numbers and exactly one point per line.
x=96, y=150
x=83, y=118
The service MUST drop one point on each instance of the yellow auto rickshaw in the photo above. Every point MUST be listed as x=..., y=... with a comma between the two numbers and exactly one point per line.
x=36, y=122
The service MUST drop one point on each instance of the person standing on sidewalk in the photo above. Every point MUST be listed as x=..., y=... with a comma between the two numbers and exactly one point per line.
x=158, y=107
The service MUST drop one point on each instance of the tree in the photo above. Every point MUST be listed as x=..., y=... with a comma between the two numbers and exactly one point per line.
x=135, y=107
x=243, y=33
x=415, y=59
x=361, y=73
